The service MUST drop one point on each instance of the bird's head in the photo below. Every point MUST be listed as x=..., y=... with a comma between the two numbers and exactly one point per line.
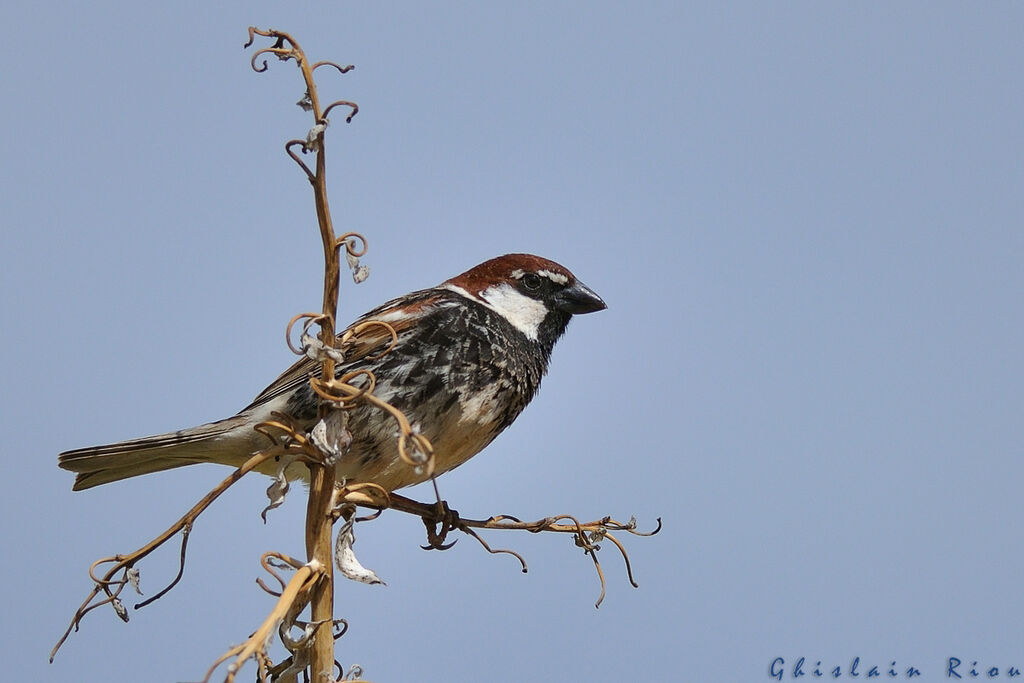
x=536, y=296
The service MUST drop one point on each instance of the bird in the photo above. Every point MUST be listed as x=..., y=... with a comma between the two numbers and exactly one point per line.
x=466, y=358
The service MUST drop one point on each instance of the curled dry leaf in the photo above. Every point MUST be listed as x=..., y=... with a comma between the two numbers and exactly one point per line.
x=316, y=349
x=346, y=560
x=360, y=274
x=331, y=436
x=120, y=609
x=359, y=271
x=299, y=643
x=133, y=579
x=277, y=491
x=312, y=143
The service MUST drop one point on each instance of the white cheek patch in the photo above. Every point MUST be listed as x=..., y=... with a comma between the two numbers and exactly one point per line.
x=524, y=313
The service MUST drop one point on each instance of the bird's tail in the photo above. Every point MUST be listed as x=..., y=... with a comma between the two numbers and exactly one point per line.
x=228, y=442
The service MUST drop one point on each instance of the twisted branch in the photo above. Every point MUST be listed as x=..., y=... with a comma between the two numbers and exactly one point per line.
x=440, y=520
x=293, y=598
x=123, y=564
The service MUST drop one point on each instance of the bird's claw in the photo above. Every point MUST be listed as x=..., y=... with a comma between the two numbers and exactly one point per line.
x=439, y=525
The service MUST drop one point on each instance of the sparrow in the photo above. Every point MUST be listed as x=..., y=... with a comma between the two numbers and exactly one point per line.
x=469, y=356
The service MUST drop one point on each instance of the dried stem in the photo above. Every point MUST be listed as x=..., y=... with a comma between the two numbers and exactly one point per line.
x=587, y=534
x=319, y=508
x=292, y=599
x=123, y=563
x=319, y=549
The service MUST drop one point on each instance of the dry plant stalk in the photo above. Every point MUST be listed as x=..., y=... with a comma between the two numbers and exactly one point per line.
x=440, y=520
x=312, y=584
x=320, y=514
x=125, y=564
x=313, y=581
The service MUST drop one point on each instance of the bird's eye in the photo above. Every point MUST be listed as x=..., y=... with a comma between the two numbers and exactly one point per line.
x=532, y=281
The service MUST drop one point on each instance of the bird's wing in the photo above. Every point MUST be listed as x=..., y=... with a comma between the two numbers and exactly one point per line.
x=366, y=339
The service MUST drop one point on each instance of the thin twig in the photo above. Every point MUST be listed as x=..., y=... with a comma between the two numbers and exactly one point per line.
x=305, y=578
x=586, y=534
x=122, y=563
x=181, y=569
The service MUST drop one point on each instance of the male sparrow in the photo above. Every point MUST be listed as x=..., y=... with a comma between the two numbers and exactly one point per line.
x=470, y=355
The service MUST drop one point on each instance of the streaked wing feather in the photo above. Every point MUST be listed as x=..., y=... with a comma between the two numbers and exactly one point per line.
x=401, y=314
x=291, y=378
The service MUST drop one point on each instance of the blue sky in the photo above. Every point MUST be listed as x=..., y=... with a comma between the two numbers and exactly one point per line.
x=807, y=221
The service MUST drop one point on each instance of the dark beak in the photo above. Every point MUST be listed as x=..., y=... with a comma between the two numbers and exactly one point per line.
x=579, y=299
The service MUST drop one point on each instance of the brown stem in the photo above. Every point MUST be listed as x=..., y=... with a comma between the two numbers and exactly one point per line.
x=122, y=562
x=318, y=509
x=318, y=548
x=319, y=518
x=304, y=578
x=587, y=534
